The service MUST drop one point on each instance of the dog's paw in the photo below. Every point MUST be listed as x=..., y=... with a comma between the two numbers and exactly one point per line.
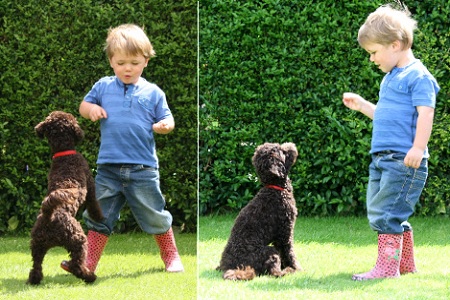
x=35, y=277
x=247, y=273
x=90, y=278
x=230, y=275
x=297, y=267
x=289, y=270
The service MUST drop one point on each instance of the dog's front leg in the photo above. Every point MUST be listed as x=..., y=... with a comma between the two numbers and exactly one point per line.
x=273, y=265
x=285, y=246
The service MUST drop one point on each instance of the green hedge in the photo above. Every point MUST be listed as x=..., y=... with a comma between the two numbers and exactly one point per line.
x=275, y=71
x=51, y=53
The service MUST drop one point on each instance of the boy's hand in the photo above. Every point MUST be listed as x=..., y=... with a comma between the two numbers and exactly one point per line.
x=352, y=101
x=164, y=126
x=414, y=157
x=358, y=103
x=96, y=113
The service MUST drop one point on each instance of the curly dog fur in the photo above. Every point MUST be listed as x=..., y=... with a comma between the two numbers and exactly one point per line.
x=261, y=240
x=70, y=186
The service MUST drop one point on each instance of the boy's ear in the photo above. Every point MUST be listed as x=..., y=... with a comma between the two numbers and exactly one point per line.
x=397, y=45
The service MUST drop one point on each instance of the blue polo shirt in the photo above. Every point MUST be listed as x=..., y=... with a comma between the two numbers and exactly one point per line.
x=395, y=117
x=127, y=135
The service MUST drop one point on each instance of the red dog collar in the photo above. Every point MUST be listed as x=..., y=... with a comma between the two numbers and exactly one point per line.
x=64, y=153
x=275, y=187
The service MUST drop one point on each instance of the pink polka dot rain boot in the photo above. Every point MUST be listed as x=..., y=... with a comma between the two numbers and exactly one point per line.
x=169, y=252
x=96, y=244
x=388, y=262
x=407, y=264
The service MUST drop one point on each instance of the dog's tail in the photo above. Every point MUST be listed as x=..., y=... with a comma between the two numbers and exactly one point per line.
x=57, y=198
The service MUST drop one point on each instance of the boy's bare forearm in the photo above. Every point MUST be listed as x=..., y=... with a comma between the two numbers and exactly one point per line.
x=424, y=127
x=85, y=108
x=368, y=108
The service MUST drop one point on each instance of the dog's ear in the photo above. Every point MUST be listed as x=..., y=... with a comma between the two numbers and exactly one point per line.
x=291, y=153
x=44, y=127
x=79, y=133
x=72, y=123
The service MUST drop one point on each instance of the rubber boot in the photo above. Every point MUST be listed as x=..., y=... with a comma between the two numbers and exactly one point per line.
x=168, y=251
x=388, y=262
x=407, y=264
x=96, y=244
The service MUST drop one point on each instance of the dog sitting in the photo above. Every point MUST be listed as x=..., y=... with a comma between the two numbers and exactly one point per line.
x=70, y=186
x=261, y=240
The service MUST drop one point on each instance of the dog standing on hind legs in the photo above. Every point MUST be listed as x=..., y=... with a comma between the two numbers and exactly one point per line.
x=70, y=186
x=262, y=238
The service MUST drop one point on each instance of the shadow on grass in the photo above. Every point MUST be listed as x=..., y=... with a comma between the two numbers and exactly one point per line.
x=132, y=275
x=13, y=286
x=341, y=282
x=298, y=281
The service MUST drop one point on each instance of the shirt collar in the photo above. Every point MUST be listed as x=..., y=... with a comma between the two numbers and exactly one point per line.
x=122, y=85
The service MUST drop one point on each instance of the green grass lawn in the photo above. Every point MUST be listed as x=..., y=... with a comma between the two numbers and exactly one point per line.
x=130, y=268
x=330, y=250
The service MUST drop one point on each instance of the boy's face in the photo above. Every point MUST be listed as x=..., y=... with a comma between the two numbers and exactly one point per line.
x=385, y=57
x=128, y=68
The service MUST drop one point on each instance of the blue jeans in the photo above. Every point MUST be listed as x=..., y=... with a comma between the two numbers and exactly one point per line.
x=393, y=191
x=136, y=185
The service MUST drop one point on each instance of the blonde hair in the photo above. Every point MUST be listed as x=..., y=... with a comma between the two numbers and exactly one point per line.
x=129, y=39
x=387, y=25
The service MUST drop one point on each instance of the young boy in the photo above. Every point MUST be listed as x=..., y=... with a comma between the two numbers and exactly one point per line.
x=130, y=110
x=402, y=122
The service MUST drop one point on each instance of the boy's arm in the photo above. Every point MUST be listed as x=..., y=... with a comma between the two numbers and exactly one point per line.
x=92, y=111
x=423, y=132
x=164, y=126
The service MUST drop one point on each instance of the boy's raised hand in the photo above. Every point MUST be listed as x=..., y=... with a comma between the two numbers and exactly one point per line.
x=352, y=101
x=358, y=103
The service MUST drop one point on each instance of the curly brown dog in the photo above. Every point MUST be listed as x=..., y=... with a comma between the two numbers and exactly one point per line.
x=262, y=237
x=70, y=186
